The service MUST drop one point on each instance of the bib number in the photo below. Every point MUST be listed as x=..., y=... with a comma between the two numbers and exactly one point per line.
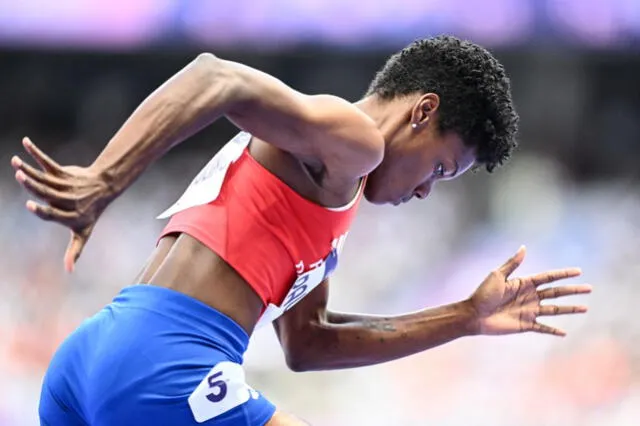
x=297, y=292
x=304, y=284
x=218, y=388
x=223, y=389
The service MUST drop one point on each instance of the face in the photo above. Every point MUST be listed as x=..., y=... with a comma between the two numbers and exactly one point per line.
x=417, y=157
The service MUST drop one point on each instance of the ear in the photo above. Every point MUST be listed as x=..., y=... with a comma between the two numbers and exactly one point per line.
x=424, y=108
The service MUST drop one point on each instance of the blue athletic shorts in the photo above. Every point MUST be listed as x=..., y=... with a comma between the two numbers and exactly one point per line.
x=152, y=357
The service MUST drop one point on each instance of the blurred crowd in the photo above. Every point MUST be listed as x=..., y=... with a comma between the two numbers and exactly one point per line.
x=396, y=259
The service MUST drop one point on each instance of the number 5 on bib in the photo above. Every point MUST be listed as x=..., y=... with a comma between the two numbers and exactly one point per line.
x=223, y=389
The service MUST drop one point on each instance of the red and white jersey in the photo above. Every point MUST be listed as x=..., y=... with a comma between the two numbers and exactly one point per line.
x=282, y=244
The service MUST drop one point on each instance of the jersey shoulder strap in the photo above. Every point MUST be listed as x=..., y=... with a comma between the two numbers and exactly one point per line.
x=205, y=187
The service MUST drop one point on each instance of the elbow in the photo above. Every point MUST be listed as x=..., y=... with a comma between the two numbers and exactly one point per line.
x=206, y=60
x=208, y=66
x=300, y=360
x=216, y=76
x=297, y=366
x=308, y=350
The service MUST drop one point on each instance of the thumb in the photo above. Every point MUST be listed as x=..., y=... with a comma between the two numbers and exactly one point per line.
x=76, y=244
x=513, y=263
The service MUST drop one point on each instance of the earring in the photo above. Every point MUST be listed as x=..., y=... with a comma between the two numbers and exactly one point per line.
x=414, y=125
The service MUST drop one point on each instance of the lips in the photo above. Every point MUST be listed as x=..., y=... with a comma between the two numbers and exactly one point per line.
x=402, y=200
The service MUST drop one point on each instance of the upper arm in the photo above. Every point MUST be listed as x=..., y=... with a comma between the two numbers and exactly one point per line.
x=319, y=128
x=297, y=328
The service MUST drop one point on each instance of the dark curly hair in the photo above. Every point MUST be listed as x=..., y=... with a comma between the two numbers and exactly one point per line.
x=475, y=93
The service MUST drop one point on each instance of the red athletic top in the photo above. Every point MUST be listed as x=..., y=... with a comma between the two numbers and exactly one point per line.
x=274, y=238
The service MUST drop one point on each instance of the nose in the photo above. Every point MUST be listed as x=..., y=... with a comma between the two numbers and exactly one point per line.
x=422, y=191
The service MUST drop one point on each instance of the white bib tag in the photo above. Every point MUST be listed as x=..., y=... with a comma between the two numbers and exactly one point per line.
x=223, y=389
x=304, y=284
x=205, y=187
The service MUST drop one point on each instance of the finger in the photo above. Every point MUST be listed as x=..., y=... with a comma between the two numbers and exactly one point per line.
x=76, y=244
x=41, y=158
x=551, y=276
x=550, y=310
x=569, y=290
x=545, y=329
x=36, y=174
x=51, y=214
x=513, y=263
x=44, y=192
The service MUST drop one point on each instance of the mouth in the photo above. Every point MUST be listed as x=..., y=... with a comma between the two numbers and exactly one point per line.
x=403, y=200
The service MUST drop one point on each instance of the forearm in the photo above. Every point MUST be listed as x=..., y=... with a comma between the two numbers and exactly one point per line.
x=189, y=101
x=352, y=340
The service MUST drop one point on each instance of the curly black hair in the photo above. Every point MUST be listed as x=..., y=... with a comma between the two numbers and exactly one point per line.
x=475, y=93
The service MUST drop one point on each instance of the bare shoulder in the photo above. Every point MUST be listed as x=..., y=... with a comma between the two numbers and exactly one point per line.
x=337, y=112
x=317, y=129
x=349, y=140
x=339, y=105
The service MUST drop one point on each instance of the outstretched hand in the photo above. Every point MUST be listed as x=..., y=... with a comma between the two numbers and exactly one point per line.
x=72, y=196
x=506, y=306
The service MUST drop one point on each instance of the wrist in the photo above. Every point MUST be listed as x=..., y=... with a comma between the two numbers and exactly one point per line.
x=108, y=177
x=470, y=317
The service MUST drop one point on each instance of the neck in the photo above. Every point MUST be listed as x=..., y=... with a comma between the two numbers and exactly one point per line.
x=385, y=114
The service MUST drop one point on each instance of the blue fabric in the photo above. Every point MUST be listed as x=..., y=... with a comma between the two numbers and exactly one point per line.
x=137, y=361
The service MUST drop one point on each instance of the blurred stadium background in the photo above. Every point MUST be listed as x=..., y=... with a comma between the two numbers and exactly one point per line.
x=71, y=71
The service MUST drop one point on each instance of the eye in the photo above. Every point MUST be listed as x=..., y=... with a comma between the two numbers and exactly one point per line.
x=439, y=170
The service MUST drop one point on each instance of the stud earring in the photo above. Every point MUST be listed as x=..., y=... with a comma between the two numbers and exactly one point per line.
x=414, y=125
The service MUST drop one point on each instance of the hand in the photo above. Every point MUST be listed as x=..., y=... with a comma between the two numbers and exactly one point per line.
x=505, y=306
x=72, y=196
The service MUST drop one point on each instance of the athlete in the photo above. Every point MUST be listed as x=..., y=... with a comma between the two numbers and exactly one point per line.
x=256, y=235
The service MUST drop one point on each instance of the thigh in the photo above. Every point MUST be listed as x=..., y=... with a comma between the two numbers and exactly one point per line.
x=54, y=412
x=157, y=357
x=60, y=398
x=185, y=396
x=223, y=397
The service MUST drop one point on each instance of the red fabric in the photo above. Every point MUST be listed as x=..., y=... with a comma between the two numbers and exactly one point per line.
x=263, y=228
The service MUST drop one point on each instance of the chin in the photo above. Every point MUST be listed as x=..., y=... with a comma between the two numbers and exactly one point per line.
x=375, y=198
x=370, y=196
